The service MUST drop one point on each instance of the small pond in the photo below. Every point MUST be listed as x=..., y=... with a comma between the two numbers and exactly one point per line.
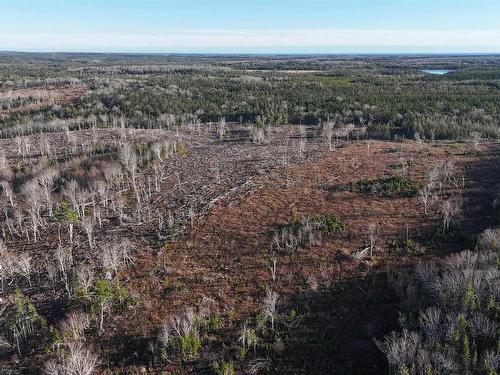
x=437, y=71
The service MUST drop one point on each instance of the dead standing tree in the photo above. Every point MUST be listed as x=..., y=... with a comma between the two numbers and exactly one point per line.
x=25, y=267
x=100, y=194
x=46, y=180
x=76, y=360
x=34, y=197
x=114, y=257
x=327, y=133
x=221, y=128
x=70, y=192
x=64, y=259
x=270, y=306
x=449, y=210
x=6, y=190
x=128, y=158
x=426, y=196
x=372, y=233
x=88, y=225
x=5, y=170
x=476, y=139
x=85, y=278
x=66, y=215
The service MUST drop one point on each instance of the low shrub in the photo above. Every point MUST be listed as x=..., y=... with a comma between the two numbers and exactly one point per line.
x=108, y=296
x=309, y=231
x=223, y=368
x=402, y=246
x=187, y=345
x=384, y=186
x=182, y=335
x=328, y=224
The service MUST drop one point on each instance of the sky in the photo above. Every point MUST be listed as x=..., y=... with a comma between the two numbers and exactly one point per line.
x=256, y=26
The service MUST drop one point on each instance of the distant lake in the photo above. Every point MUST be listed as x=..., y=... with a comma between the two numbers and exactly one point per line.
x=437, y=71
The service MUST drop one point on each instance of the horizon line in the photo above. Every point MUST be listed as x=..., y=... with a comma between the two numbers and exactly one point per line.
x=239, y=53
x=321, y=40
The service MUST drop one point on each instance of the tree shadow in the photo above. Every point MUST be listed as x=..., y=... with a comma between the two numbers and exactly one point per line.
x=338, y=326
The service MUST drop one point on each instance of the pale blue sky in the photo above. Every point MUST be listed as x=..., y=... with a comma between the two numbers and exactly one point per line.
x=251, y=26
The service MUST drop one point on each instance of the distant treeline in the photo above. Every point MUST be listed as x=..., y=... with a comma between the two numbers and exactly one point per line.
x=390, y=95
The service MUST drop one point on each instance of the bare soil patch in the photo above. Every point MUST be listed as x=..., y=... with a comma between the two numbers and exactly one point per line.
x=32, y=99
x=224, y=258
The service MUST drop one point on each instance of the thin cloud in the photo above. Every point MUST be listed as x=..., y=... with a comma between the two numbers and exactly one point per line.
x=254, y=38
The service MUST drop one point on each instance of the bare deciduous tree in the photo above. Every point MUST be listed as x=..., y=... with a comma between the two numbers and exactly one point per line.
x=85, y=278
x=74, y=326
x=24, y=266
x=489, y=240
x=257, y=135
x=9, y=265
x=158, y=151
x=157, y=177
x=476, y=138
x=82, y=200
x=248, y=338
x=88, y=225
x=435, y=176
x=7, y=191
x=302, y=131
x=449, y=209
x=221, y=127
x=426, y=196
x=34, y=197
x=46, y=180
x=302, y=147
x=70, y=192
x=128, y=157
x=450, y=172
x=120, y=207
x=101, y=191
x=327, y=133
x=270, y=306
x=114, y=256
x=373, y=236
x=272, y=267
x=5, y=170
x=64, y=259
x=51, y=272
x=112, y=173
x=126, y=252
x=77, y=360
